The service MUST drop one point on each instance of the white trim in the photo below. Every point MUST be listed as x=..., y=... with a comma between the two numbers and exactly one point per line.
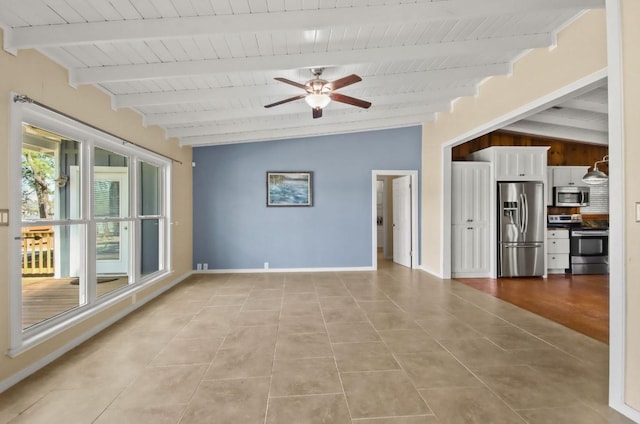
x=582, y=85
x=24, y=339
x=571, y=90
x=22, y=374
x=415, y=200
x=276, y=270
x=430, y=272
x=617, y=298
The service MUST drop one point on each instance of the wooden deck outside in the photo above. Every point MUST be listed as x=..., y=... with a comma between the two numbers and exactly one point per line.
x=46, y=297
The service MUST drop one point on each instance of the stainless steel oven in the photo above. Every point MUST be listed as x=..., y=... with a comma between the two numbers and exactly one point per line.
x=589, y=251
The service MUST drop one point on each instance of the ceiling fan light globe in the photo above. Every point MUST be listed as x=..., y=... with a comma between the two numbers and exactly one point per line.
x=318, y=100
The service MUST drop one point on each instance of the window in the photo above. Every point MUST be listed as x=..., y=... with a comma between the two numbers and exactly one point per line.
x=93, y=224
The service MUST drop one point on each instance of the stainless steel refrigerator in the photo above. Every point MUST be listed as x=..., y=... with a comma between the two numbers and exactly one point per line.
x=520, y=229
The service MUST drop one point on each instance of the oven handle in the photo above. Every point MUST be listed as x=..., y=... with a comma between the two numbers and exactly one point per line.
x=594, y=233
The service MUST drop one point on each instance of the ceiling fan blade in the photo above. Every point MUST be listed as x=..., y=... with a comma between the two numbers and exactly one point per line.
x=290, y=99
x=349, y=100
x=288, y=81
x=343, y=82
x=317, y=112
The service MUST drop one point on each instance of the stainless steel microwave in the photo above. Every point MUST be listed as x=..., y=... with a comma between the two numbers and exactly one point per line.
x=571, y=196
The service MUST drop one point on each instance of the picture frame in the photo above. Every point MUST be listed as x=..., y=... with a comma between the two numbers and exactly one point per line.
x=289, y=188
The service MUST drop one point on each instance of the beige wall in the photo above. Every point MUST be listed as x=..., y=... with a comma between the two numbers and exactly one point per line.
x=631, y=149
x=581, y=51
x=34, y=75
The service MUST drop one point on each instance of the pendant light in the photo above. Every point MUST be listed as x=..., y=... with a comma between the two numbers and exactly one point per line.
x=595, y=176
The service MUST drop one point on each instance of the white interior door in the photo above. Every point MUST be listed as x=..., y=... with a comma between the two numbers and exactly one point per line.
x=402, y=221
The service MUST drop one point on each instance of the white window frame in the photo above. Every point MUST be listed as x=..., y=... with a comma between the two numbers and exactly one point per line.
x=89, y=137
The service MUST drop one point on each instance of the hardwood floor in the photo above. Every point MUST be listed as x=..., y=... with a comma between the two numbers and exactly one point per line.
x=580, y=302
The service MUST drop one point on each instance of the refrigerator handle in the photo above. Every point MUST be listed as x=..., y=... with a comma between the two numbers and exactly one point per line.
x=521, y=214
x=526, y=214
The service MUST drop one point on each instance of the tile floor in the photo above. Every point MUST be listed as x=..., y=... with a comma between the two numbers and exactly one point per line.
x=394, y=346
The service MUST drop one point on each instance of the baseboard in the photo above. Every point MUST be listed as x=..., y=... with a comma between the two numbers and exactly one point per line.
x=428, y=271
x=275, y=270
x=24, y=373
x=626, y=410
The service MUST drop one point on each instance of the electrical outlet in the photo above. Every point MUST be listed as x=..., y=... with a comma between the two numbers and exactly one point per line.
x=205, y=266
x=199, y=267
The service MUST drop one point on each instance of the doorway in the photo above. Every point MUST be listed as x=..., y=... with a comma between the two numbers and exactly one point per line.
x=395, y=217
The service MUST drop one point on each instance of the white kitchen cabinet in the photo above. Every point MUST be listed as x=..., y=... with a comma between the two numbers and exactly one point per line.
x=470, y=192
x=470, y=219
x=568, y=175
x=558, y=248
x=516, y=163
x=470, y=251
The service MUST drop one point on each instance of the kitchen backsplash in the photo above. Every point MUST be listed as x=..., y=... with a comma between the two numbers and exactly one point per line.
x=598, y=200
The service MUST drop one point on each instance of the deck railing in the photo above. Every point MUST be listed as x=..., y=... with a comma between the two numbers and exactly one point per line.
x=37, y=251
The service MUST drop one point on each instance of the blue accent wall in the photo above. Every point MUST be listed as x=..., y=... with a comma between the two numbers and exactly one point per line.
x=234, y=229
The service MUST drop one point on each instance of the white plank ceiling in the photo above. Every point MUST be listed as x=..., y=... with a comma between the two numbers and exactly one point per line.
x=204, y=69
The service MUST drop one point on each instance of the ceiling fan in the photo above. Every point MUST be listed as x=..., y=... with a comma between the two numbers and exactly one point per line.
x=320, y=92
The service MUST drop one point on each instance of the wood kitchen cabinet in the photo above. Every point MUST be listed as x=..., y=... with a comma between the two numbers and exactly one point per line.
x=516, y=163
x=470, y=216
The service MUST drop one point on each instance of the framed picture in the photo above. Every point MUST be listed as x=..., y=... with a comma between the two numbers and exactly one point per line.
x=289, y=188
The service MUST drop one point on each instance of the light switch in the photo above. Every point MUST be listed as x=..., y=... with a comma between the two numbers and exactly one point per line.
x=4, y=217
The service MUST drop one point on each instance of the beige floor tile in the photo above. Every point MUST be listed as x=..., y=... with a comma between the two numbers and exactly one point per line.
x=76, y=406
x=219, y=300
x=251, y=338
x=513, y=338
x=409, y=341
x=159, y=386
x=301, y=324
x=97, y=369
x=378, y=306
x=352, y=332
x=469, y=405
x=330, y=290
x=302, y=310
x=564, y=380
x=228, y=402
x=301, y=297
x=188, y=351
x=421, y=419
x=254, y=318
x=572, y=414
x=523, y=387
x=268, y=304
x=308, y=345
x=266, y=293
x=166, y=414
x=343, y=314
x=392, y=321
x=448, y=328
x=435, y=369
x=317, y=409
x=197, y=329
x=305, y=377
x=479, y=353
x=337, y=301
x=240, y=364
x=370, y=356
x=382, y=394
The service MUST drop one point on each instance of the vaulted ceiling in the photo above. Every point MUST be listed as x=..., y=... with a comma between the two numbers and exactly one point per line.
x=204, y=69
